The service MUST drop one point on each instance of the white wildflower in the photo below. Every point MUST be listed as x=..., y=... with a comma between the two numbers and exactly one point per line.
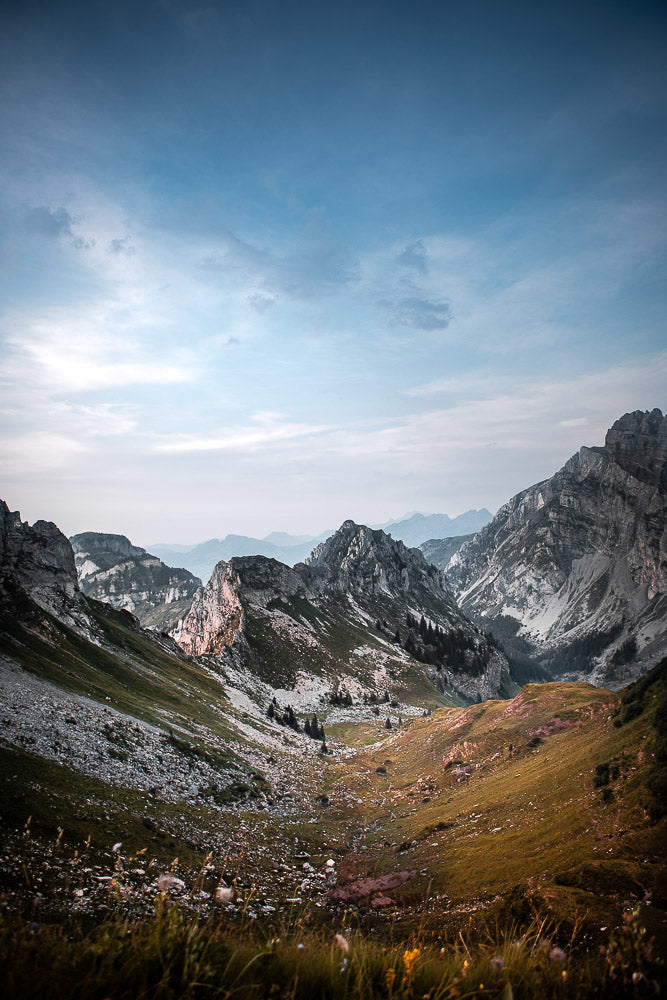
x=223, y=895
x=342, y=943
x=558, y=956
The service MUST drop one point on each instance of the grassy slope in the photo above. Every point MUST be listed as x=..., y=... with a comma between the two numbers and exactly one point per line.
x=529, y=818
x=528, y=823
x=338, y=634
x=129, y=671
x=528, y=831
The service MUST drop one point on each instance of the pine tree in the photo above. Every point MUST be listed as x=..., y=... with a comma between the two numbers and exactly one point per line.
x=387, y=724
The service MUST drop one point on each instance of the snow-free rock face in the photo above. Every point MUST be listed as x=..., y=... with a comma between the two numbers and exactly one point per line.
x=37, y=561
x=112, y=570
x=371, y=565
x=439, y=551
x=578, y=563
x=359, y=586
x=216, y=616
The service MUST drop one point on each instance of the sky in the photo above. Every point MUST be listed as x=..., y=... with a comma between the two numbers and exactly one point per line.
x=270, y=265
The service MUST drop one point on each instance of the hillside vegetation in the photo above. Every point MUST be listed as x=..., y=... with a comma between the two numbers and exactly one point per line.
x=509, y=848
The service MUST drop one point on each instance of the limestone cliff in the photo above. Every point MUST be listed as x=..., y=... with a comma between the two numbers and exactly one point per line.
x=112, y=570
x=576, y=566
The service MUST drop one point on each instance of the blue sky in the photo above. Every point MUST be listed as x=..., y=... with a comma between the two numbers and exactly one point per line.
x=266, y=266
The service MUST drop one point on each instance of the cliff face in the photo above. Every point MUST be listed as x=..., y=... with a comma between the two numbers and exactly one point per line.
x=579, y=562
x=358, y=587
x=112, y=570
x=37, y=561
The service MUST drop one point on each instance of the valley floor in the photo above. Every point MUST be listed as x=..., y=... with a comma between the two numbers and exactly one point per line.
x=471, y=825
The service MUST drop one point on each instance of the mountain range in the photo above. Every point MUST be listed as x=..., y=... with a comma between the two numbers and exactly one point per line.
x=349, y=616
x=347, y=735
x=413, y=529
x=569, y=576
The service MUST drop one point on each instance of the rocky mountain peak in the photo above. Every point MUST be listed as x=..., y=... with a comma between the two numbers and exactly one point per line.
x=638, y=443
x=116, y=546
x=113, y=570
x=359, y=558
x=36, y=560
x=576, y=566
x=354, y=608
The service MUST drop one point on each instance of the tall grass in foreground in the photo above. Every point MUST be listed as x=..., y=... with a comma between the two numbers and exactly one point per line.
x=174, y=955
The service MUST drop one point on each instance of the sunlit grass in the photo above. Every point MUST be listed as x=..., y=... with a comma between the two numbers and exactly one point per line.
x=174, y=955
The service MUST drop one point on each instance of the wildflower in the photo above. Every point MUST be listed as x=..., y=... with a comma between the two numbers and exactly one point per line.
x=410, y=960
x=497, y=963
x=223, y=895
x=345, y=965
x=116, y=847
x=301, y=947
x=558, y=956
x=637, y=977
x=390, y=977
x=342, y=943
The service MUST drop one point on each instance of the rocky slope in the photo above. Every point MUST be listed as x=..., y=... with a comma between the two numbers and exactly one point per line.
x=84, y=687
x=356, y=614
x=439, y=551
x=575, y=568
x=112, y=570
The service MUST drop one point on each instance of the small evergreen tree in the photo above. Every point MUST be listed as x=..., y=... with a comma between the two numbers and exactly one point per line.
x=387, y=724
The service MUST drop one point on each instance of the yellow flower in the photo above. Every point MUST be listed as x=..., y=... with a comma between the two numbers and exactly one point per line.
x=410, y=960
x=390, y=977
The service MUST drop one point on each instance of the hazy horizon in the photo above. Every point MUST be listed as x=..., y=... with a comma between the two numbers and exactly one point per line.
x=265, y=268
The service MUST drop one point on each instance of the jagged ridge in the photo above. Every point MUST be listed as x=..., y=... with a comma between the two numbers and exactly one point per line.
x=356, y=591
x=579, y=561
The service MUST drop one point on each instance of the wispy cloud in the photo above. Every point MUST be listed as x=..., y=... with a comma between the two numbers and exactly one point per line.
x=83, y=353
x=419, y=313
x=414, y=256
x=266, y=428
x=121, y=245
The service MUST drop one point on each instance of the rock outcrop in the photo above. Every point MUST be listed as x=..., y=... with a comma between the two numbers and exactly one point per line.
x=576, y=566
x=112, y=570
x=36, y=561
x=356, y=588
x=439, y=551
